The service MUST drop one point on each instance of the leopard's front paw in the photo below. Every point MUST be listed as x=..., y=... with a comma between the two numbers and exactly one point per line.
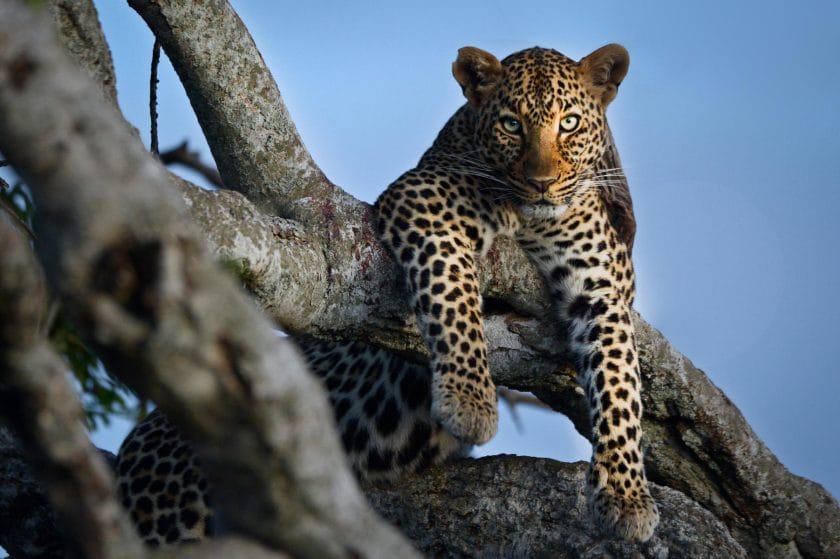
x=472, y=417
x=631, y=515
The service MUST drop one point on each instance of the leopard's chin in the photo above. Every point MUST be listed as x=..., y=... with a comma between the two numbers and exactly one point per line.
x=539, y=211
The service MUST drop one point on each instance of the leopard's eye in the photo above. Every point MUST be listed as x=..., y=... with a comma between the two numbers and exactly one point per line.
x=510, y=125
x=569, y=123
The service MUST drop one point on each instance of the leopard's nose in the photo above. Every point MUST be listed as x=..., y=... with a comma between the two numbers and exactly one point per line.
x=541, y=184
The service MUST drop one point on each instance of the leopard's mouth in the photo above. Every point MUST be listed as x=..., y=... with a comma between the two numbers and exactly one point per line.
x=533, y=199
x=558, y=194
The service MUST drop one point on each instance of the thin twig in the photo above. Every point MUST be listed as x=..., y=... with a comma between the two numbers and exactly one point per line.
x=153, y=81
x=514, y=397
x=19, y=221
x=183, y=155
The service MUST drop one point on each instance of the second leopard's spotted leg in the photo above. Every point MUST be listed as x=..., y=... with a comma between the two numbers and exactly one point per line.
x=589, y=275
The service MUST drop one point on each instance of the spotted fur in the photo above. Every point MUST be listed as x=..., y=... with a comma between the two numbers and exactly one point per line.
x=529, y=156
x=381, y=402
x=161, y=485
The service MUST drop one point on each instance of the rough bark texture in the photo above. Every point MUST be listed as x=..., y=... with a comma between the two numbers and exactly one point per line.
x=306, y=250
x=27, y=523
x=509, y=506
x=259, y=151
x=81, y=36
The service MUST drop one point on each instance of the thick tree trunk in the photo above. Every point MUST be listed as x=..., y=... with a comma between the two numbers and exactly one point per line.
x=306, y=251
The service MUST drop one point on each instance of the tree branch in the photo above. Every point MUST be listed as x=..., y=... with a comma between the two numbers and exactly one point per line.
x=182, y=155
x=166, y=320
x=42, y=407
x=232, y=547
x=77, y=23
x=509, y=506
x=28, y=527
x=255, y=143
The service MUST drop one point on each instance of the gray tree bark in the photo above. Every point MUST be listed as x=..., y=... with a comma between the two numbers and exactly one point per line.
x=306, y=251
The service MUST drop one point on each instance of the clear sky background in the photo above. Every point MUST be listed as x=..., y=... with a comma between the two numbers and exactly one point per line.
x=727, y=124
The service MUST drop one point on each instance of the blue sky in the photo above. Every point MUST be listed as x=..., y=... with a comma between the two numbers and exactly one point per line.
x=728, y=128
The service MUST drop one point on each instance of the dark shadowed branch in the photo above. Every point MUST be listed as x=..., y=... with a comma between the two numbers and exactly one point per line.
x=182, y=155
x=153, y=114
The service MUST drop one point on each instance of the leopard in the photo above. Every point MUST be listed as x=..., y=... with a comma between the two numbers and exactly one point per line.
x=529, y=156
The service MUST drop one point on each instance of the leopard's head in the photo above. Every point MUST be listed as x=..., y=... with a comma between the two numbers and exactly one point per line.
x=540, y=115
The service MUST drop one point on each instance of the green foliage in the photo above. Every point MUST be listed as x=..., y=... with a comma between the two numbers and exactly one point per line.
x=37, y=5
x=102, y=396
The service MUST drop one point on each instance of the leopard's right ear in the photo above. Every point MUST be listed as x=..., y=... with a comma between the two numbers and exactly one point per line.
x=478, y=72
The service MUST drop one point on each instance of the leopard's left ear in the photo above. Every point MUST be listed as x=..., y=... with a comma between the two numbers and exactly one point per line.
x=478, y=72
x=603, y=71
